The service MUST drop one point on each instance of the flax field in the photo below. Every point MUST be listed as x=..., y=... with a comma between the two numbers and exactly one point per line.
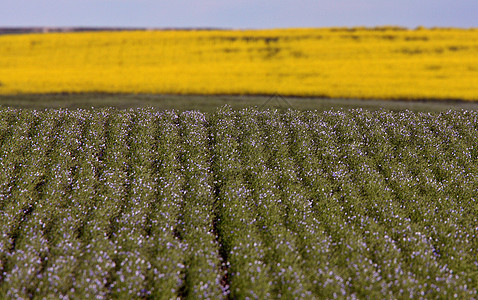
x=358, y=63
x=237, y=204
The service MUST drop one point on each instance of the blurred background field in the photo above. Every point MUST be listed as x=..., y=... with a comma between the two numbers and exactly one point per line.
x=341, y=63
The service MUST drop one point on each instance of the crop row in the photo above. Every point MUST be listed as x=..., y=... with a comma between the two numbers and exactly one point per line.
x=241, y=204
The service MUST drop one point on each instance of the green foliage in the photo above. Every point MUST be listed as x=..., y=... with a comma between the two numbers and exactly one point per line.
x=243, y=204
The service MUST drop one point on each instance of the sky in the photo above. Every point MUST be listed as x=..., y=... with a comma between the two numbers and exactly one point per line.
x=239, y=14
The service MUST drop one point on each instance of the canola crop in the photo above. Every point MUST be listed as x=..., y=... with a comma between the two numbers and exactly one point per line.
x=365, y=63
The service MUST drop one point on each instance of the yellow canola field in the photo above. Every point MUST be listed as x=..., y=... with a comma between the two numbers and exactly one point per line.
x=386, y=63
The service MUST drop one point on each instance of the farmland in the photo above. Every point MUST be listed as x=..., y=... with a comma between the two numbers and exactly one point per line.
x=210, y=103
x=358, y=63
x=143, y=203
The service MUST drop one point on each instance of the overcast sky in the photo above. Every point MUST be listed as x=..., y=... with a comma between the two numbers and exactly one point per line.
x=239, y=14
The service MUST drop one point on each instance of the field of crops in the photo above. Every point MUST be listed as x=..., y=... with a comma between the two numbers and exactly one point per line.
x=378, y=63
x=146, y=204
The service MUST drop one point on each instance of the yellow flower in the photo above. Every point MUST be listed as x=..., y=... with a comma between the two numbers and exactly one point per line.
x=387, y=63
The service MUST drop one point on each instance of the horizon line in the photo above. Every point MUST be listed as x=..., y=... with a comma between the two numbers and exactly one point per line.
x=47, y=29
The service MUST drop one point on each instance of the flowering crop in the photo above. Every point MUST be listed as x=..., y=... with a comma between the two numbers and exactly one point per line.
x=380, y=63
x=243, y=204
